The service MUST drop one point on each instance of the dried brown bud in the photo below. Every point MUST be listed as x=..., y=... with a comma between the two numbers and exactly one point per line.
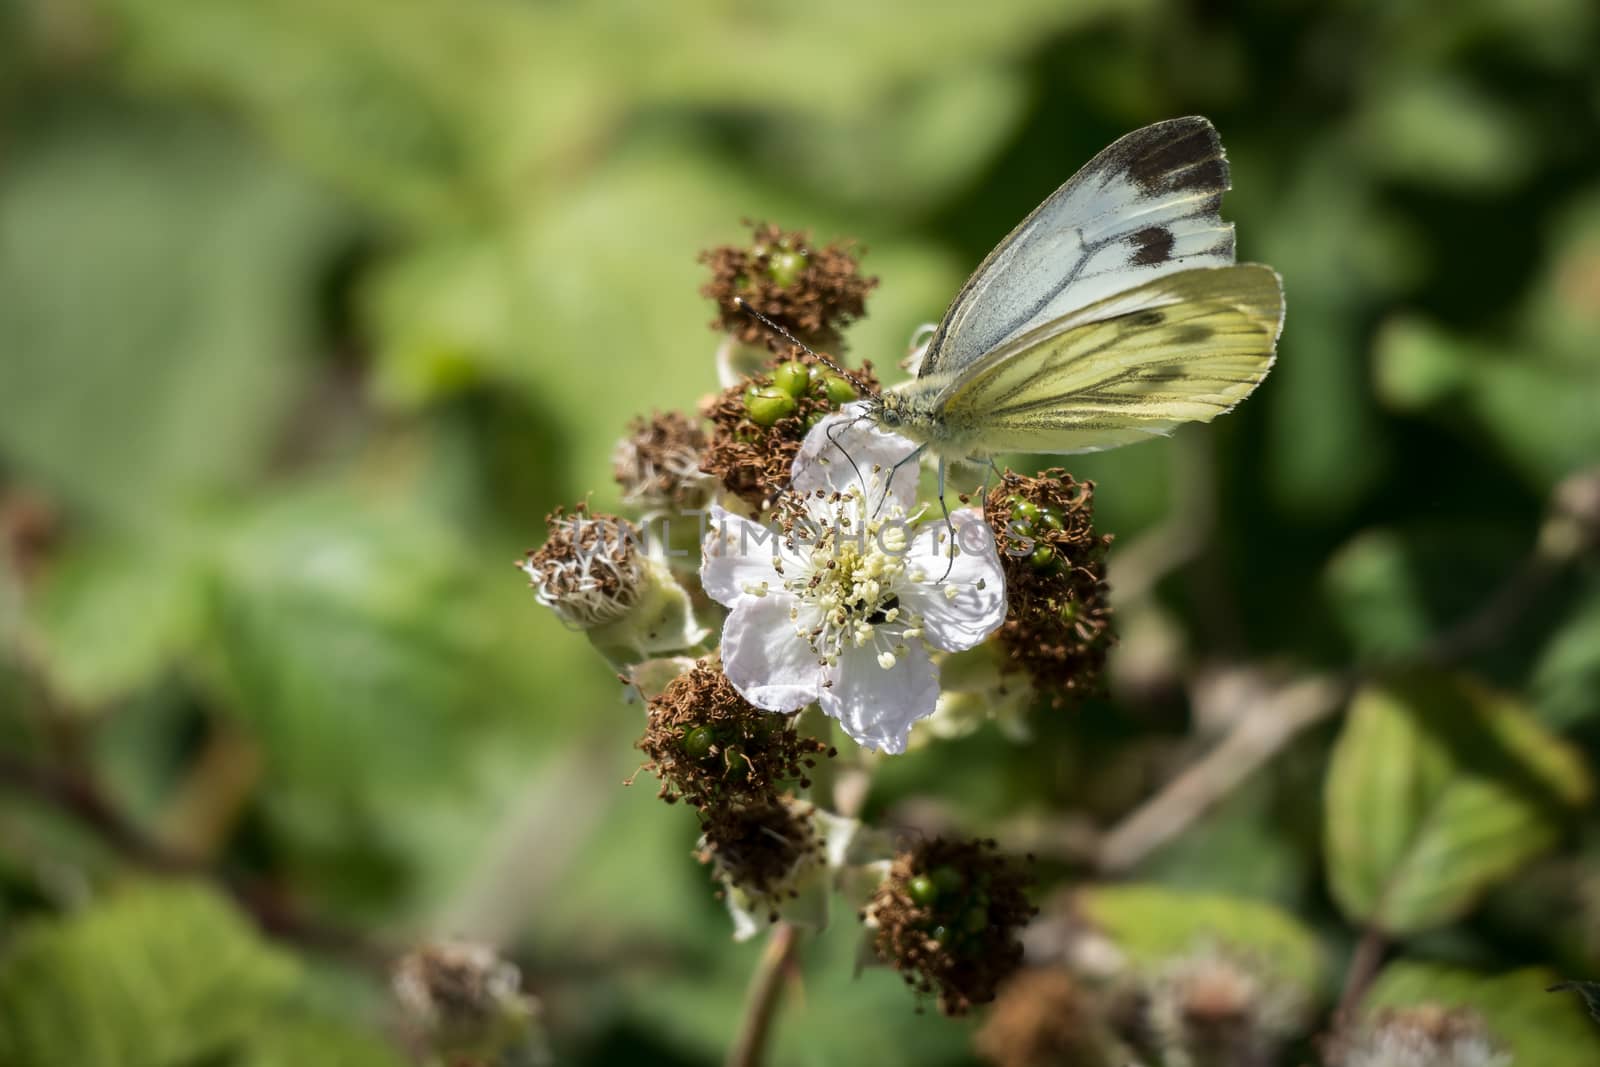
x=947, y=918
x=1058, y=619
x=812, y=292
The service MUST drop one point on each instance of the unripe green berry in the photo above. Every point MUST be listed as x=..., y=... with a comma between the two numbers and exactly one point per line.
x=947, y=879
x=697, y=743
x=1043, y=559
x=838, y=389
x=767, y=404
x=922, y=890
x=1026, y=510
x=793, y=378
x=1050, y=517
x=1069, y=612
x=785, y=267
x=733, y=758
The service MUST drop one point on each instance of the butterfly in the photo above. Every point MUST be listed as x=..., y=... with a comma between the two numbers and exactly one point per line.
x=1115, y=311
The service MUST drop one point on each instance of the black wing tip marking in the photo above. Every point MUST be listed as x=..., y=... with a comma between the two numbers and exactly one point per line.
x=1179, y=155
x=1151, y=245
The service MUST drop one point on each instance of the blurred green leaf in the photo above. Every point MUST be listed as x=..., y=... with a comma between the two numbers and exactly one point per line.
x=339, y=625
x=1438, y=789
x=109, y=619
x=1154, y=924
x=155, y=276
x=897, y=160
x=1375, y=593
x=1565, y=687
x=1428, y=126
x=1538, y=1027
x=158, y=975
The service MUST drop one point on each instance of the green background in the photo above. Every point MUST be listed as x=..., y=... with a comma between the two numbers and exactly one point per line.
x=310, y=311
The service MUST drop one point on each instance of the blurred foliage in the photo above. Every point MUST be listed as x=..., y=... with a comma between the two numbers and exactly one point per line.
x=310, y=311
x=1536, y=1026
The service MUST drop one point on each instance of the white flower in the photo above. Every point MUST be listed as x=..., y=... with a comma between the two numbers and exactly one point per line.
x=843, y=606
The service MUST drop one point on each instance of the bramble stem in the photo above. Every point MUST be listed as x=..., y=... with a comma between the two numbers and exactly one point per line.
x=761, y=1005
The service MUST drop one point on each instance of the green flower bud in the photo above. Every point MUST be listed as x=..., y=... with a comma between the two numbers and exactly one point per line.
x=785, y=267
x=922, y=890
x=697, y=743
x=767, y=404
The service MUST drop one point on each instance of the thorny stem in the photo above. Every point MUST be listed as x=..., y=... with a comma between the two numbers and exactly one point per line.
x=76, y=794
x=761, y=1004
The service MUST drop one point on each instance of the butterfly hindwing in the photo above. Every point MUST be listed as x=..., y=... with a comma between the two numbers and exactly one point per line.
x=1145, y=207
x=1183, y=348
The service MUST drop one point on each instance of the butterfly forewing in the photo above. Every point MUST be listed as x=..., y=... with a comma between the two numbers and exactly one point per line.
x=1184, y=348
x=1145, y=207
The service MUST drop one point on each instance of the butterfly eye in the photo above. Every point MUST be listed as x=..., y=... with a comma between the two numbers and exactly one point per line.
x=891, y=417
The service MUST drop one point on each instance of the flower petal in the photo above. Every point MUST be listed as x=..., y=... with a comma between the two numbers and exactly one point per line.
x=848, y=451
x=764, y=657
x=969, y=603
x=877, y=706
x=737, y=555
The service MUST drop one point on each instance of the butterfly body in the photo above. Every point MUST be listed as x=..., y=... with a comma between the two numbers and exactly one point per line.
x=1113, y=312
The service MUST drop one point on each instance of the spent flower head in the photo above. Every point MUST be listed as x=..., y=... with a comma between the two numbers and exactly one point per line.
x=461, y=999
x=1218, y=1008
x=843, y=605
x=597, y=574
x=948, y=918
x=813, y=292
x=1043, y=1017
x=657, y=464
x=1058, y=621
x=713, y=748
x=1423, y=1036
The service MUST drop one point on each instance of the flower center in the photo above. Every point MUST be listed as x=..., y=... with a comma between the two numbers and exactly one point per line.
x=856, y=567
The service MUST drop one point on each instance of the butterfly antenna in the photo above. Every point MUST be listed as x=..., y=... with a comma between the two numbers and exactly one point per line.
x=744, y=305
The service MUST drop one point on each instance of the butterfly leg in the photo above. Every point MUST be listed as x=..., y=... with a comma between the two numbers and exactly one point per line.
x=888, y=482
x=949, y=526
